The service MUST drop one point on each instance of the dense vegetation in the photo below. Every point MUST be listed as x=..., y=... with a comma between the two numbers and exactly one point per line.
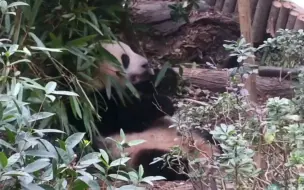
x=47, y=51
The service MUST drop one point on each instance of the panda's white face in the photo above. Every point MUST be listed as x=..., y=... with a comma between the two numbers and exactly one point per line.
x=137, y=68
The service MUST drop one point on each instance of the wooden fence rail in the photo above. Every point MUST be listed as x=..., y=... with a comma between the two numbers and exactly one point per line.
x=267, y=15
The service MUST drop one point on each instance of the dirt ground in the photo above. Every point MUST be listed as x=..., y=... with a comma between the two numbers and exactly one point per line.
x=201, y=41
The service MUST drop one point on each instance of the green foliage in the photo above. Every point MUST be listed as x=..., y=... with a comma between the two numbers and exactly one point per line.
x=135, y=177
x=242, y=50
x=259, y=142
x=284, y=50
x=237, y=159
x=60, y=39
x=29, y=160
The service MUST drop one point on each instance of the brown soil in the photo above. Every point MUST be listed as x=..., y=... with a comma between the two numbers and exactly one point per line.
x=198, y=42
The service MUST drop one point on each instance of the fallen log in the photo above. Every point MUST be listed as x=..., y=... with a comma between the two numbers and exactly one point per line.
x=279, y=72
x=217, y=81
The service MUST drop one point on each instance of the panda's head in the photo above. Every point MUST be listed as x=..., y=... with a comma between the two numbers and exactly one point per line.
x=135, y=67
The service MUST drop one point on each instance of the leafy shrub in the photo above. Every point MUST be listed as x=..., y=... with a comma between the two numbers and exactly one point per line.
x=284, y=50
x=27, y=159
x=262, y=144
x=65, y=32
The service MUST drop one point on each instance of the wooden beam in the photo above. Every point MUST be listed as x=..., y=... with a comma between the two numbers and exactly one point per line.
x=273, y=16
x=299, y=24
x=245, y=26
x=260, y=20
x=283, y=16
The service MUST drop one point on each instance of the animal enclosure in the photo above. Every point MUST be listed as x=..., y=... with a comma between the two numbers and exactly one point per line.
x=267, y=15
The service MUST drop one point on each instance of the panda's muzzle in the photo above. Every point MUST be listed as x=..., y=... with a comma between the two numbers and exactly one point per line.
x=149, y=68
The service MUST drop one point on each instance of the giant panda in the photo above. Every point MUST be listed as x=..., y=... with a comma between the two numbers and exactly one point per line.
x=147, y=117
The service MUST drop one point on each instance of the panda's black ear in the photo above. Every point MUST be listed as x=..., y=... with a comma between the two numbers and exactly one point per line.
x=125, y=59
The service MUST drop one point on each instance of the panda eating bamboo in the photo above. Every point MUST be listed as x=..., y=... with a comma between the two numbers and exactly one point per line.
x=147, y=118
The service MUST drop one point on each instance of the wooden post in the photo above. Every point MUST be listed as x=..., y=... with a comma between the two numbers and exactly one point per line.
x=219, y=5
x=245, y=19
x=273, y=16
x=253, y=4
x=260, y=20
x=245, y=26
x=229, y=6
x=283, y=16
x=291, y=20
x=236, y=10
x=211, y=2
x=299, y=23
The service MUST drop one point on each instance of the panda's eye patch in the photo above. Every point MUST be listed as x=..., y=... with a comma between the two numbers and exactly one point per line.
x=125, y=60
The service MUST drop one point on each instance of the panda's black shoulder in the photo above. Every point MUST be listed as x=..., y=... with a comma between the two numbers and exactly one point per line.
x=136, y=116
x=133, y=114
x=168, y=85
x=230, y=62
x=146, y=156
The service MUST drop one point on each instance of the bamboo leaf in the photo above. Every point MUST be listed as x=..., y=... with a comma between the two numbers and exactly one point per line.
x=161, y=74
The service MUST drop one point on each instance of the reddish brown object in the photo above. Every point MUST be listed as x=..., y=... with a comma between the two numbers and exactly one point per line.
x=229, y=6
x=273, y=16
x=299, y=24
x=260, y=20
x=283, y=16
x=219, y=5
x=253, y=4
x=291, y=19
